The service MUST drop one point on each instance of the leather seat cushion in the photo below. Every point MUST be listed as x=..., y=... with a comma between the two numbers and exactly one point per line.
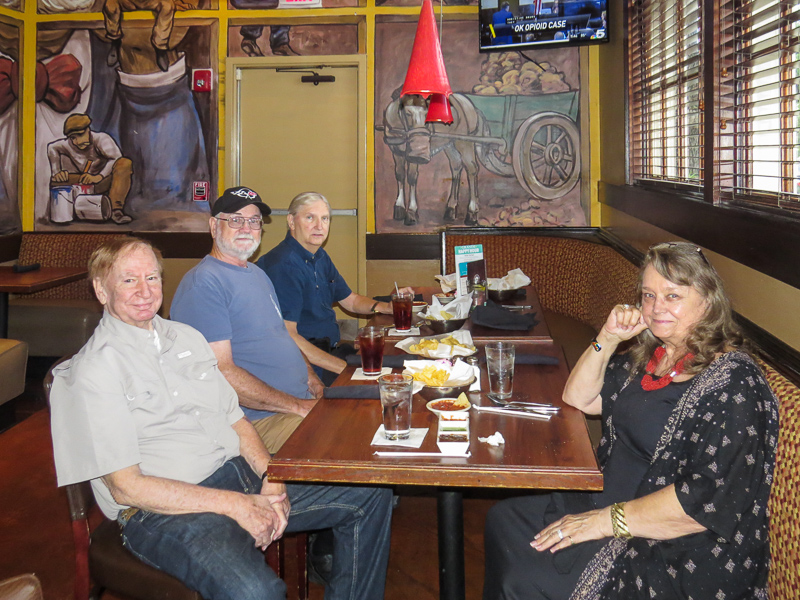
x=13, y=360
x=53, y=327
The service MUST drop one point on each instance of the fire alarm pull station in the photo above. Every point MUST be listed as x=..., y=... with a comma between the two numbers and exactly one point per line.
x=200, y=191
x=201, y=80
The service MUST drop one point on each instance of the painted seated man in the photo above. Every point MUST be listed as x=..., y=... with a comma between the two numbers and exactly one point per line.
x=308, y=285
x=93, y=158
x=144, y=413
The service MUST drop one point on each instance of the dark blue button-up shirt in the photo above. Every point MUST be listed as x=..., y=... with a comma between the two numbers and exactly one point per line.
x=308, y=285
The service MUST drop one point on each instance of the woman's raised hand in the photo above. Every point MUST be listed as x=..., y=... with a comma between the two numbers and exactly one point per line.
x=623, y=323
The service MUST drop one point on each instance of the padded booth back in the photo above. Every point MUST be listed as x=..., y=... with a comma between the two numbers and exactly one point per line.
x=580, y=279
x=62, y=250
x=784, y=501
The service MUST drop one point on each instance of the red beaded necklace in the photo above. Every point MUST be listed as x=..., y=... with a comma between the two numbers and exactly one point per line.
x=648, y=384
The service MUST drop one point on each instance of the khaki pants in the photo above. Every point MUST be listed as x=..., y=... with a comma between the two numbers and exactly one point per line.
x=163, y=10
x=275, y=430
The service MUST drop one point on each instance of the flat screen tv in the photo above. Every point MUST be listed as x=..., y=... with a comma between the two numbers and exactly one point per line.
x=528, y=24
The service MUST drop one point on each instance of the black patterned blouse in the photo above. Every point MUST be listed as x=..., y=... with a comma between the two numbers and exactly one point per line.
x=718, y=448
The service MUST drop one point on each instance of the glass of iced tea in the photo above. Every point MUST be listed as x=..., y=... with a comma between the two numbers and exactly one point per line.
x=402, y=303
x=370, y=344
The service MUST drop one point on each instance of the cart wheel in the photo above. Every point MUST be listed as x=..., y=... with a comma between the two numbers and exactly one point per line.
x=546, y=155
x=494, y=161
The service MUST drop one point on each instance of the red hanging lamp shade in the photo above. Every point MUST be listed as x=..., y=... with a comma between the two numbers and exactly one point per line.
x=426, y=73
x=439, y=110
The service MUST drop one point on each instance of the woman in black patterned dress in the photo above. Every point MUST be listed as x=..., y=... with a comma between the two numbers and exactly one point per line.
x=690, y=429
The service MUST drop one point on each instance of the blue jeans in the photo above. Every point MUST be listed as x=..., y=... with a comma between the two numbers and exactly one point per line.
x=212, y=554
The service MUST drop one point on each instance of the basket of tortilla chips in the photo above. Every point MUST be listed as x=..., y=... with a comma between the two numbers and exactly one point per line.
x=449, y=345
x=440, y=378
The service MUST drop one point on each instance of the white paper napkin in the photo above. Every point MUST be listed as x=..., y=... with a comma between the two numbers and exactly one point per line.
x=358, y=374
x=457, y=308
x=513, y=280
x=476, y=386
x=493, y=440
x=394, y=333
x=448, y=282
x=414, y=439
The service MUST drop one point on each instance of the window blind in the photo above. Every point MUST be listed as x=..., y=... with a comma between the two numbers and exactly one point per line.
x=666, y=91
x=758, y=136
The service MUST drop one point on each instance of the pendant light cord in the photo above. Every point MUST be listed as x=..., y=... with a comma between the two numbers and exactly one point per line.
x=441, y=20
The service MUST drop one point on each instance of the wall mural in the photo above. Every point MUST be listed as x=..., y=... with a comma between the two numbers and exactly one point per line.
x=511, y=156
x=9, y=129
x=419, y=2
x=265, y=4
x=295, y=40
x=121, y=140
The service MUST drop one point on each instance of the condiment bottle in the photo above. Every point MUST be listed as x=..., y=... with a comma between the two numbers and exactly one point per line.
x=478, y=288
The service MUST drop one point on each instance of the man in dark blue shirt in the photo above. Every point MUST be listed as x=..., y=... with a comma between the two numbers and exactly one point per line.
x=308, y=285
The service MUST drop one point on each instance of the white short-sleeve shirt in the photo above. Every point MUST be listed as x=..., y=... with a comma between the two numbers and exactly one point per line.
x=123, y=401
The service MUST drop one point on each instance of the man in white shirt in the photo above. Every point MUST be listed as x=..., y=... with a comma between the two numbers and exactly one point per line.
x=143, y=412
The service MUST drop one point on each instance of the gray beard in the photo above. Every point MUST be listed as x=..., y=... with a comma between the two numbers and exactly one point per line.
x=232, y=250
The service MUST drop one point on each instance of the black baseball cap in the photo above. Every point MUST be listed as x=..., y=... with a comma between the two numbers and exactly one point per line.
x=236, y=198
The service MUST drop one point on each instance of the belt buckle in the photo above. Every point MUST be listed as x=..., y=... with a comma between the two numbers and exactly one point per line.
x=125, y=515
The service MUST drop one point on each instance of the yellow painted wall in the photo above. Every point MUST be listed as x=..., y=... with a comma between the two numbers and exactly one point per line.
x=381, y=274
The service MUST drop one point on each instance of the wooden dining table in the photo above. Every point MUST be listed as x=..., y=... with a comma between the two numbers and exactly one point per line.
x=42, y=278
x=526, y=302
x=332, y=445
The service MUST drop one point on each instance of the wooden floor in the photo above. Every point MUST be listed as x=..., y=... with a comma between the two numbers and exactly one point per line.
x=35, y=535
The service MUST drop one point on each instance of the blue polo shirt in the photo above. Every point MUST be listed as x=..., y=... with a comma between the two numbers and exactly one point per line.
x=226, y=302
x=308, y=285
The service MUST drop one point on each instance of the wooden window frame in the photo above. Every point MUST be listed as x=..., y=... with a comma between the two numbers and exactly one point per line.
x=759, y=237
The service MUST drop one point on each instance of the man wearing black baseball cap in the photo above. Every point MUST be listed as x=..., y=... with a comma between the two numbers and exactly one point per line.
x=234, y=305
x=236, y=198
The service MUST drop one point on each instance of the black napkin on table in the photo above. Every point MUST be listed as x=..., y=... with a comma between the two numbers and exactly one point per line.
x=367, y=391
x=417, y=298
x=531, y=359
x=496, y=317
x=394, y=360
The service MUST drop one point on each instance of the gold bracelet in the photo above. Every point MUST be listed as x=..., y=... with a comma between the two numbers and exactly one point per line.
x=618, y=523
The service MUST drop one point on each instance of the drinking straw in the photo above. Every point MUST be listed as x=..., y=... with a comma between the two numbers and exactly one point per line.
x=396, y=289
